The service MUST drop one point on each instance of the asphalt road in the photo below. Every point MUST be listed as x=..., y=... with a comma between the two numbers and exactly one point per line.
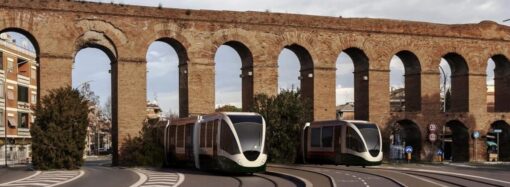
x=98, y=174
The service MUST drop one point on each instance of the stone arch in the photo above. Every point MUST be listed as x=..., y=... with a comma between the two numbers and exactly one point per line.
x=412, y=82
x=92, y=39
x=456, y=141
x=27, y=34
x=406, y=132
x=501, y=83
x=504, y=139
x=459, y=89
x=96, y=40
x=246, y=72
x=361, y=74
x=182, y=56
x=306, y=72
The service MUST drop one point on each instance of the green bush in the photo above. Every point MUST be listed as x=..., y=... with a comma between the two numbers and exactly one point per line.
x=145, y=149
x=59, y=130
x=285, y=116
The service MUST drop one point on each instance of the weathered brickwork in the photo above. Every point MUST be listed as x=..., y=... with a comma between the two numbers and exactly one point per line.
x=61, y=28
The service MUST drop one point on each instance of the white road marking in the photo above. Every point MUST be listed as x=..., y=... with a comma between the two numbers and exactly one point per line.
x=47, y=178
x=150, y=178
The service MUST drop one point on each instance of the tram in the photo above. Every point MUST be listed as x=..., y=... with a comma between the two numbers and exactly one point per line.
x=350, y=143
x=230, y=142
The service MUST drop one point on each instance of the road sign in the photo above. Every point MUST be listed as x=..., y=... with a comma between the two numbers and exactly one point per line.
x=432, y=127
x=476, y=134
x=409, y=149
x=497, y=131
x=439, y=152
x=432, y=137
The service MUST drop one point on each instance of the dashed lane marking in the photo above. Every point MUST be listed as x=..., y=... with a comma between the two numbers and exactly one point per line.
x=152, y=178
x=47, y=178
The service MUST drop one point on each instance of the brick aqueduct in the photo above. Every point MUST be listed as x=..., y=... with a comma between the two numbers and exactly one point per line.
x=59, y=29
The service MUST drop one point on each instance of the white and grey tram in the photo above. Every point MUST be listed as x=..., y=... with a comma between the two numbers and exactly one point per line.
x=355, y=143
x=226, y=141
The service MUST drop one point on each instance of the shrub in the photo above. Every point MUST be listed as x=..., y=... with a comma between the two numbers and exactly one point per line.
x=59, y=130
x=146, y=149
x=285, y=116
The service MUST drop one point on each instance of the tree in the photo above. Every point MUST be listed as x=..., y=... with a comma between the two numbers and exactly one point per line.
x=107, y=109
x=58, y=133
x=285, y=116
x=228, y=108
x=89, y=95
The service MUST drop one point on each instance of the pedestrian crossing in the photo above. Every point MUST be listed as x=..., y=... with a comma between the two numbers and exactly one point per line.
x=153, y=178
x=46, y=178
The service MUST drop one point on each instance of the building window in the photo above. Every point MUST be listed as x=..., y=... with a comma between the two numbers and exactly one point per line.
x=1, y=118
x=11, y=122
x=2, y=90
x=1, y=60
x=23, y=120
x=22, y=94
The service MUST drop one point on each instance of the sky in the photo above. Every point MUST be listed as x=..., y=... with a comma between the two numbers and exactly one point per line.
x=92, y=65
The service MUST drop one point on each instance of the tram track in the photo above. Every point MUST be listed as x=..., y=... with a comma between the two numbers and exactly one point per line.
x=449, y=179
x=310, y=178
x=393, y=180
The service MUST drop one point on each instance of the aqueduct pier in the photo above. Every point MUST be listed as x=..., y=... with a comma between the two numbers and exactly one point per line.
x=59, y=29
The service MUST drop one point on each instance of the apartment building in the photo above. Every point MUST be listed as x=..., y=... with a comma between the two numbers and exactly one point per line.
x=18, y=93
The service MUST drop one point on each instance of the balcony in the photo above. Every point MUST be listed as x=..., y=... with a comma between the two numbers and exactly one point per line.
x=24, y=132
x=24, y=80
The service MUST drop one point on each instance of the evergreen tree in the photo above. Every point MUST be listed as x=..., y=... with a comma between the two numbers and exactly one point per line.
x=285, y=116
x=59, y=130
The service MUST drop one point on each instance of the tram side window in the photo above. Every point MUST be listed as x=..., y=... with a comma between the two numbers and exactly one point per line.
x=327, y=136
x=353, y=141
x=316, y=137
x=227, y=140
x=215, y=131
x=180, y=136
x=202, y=135
x=209, y=133
x=172, y=135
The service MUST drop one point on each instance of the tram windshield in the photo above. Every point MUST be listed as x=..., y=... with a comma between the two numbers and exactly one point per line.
x=371, y=135
x=249, y=131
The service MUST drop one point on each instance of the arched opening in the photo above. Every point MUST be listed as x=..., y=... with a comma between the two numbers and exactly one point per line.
x=503, y=149
x=19, y=83
x=344, y=88
x=405, y=133
x=498, y=84
x=234, y=89
x=167, y=78
x=355, y=92
x=454, y=83
x=405, y=82
x=295, y=64
x=93, y=76
x=456, y=141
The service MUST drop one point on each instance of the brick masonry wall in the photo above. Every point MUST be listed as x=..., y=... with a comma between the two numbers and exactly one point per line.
x=61, y=28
